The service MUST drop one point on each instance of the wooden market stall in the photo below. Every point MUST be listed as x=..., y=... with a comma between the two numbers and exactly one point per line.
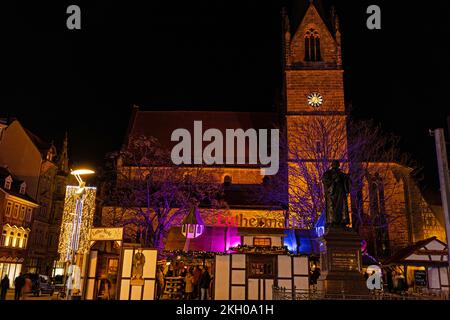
x=423, y=266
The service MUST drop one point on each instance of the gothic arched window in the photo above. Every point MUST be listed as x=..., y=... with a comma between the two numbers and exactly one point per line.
x=227, y=180
x=312, y=45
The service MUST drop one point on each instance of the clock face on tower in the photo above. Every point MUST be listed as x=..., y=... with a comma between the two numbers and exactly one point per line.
x=315, y=99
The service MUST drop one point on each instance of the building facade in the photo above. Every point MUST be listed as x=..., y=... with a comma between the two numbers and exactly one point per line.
x=16, y=214
x=35, y=162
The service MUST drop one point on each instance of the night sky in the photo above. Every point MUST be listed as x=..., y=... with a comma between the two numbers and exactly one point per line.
x=211, y=55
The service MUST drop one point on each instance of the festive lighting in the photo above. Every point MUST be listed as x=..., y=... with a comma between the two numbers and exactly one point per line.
x=80, y=172
x=78, y=217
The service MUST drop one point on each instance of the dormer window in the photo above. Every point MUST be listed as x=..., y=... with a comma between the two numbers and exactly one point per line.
x=312, y=45
x=8, y=182
x=23, y=188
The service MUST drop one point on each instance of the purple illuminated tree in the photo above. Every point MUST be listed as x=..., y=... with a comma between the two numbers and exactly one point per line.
x=150, y=194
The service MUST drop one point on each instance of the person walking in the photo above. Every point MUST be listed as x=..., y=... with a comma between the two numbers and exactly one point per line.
x=27, y=287
x=197, y=275
x=160, y=278
x=4, y=287
x=315, y=277
x=19, y=282
x=205, y=281
x=189, y=287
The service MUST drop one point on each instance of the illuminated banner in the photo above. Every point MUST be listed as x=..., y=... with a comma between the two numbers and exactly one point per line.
x=102, y=234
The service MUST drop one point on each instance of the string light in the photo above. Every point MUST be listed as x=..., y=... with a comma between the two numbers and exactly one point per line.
x=75, y=236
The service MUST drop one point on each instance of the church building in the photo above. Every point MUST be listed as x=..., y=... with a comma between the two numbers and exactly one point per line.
x=388, y=208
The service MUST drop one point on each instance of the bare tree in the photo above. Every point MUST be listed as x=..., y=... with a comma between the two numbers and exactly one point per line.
x=365, y=152
x=151, y=194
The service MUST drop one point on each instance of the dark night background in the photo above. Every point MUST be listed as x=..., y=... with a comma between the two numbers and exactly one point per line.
x=214, y=55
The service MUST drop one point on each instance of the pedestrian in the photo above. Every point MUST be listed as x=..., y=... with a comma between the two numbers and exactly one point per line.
x=189, y=285
x=4, y=287
x=366, y=276
x=390, y=283
x=205, y=281
x=19, y=282
x=197, y=275
x=315, y=277
x=160, y=278
x=27, y=287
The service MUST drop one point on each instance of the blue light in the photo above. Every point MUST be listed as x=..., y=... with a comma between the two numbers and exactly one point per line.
x=290, y=241
x=320, y=225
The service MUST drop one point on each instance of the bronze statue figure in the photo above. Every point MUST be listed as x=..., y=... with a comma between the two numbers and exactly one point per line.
x=138, y=265
x=336, y=188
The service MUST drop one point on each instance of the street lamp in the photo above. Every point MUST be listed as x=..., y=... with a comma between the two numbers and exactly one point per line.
x=192, y=226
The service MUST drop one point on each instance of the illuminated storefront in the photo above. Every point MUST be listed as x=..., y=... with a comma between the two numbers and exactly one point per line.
x=11, y=267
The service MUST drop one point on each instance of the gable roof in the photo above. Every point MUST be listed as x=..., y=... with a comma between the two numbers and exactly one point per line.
x=423, y=252
x=300, y=8
x=15, y=187
x=40, y=144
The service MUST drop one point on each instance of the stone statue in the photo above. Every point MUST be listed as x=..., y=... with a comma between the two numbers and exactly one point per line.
x=336, y=188
x=138, y=265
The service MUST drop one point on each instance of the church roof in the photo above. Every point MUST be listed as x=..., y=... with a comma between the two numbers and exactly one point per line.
x=298, y=11
x=40, y=144
x=161, y=124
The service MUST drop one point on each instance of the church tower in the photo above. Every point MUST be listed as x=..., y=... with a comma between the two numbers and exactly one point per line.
x=314, y=108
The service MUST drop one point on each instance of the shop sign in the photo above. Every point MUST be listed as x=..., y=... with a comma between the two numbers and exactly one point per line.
x=104, y=234
x=249, y=221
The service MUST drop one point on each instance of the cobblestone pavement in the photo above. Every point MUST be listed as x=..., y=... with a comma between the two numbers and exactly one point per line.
x=10, y=296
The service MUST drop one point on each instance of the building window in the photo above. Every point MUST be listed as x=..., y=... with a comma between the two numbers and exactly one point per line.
x=8, y=209
x=16, y=211
x=29, y=212
x=25, y=238
x=19, y=240
x=22, y=212
x=261, y=267
x=4, y=236
x=12, y=239
x=312, y=45
x=8, y=182
x=263, y=242
x=227, y=180
x=23, y=188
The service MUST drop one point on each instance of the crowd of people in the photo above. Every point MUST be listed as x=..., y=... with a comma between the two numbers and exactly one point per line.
x=197, y=281
x=22, y=287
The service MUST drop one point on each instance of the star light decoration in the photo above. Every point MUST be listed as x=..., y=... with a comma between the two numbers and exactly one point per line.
x=315, y=99
x=71, y=240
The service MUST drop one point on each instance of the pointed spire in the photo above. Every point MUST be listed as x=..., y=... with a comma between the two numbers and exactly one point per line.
x=337, y=35
x=63, y=161
x=286, y=36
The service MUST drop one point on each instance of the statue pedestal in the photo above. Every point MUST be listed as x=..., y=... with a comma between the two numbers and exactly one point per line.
x=341, y=262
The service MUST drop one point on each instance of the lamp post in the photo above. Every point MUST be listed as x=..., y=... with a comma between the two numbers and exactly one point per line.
x=76, y=223
x=444, y=182
x=192, y=226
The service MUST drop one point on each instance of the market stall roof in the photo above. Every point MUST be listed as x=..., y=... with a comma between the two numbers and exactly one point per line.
x=430, y=251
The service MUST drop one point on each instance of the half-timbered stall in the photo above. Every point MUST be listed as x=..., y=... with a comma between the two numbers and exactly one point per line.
x=113, y=270
x=252, y=276
x=423, y=266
